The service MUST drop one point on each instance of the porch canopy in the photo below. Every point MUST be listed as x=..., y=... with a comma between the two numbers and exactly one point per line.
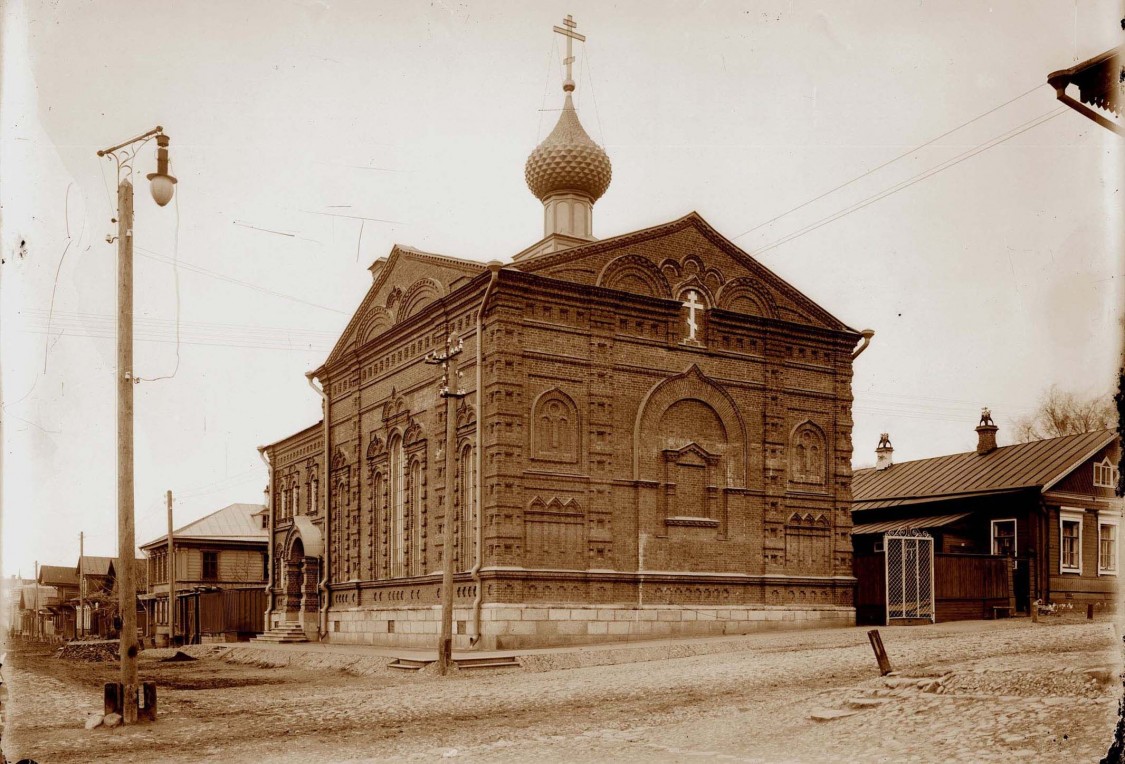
x=907, y=524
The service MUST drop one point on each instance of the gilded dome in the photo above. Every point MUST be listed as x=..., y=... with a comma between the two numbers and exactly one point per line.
x=568, y=160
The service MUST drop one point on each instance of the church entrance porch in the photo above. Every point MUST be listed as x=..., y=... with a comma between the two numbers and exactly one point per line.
x=300, y=571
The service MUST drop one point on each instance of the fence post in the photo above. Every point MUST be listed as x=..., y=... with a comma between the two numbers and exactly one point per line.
x=880, y=652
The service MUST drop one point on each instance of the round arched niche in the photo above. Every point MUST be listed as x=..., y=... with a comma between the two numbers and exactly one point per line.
x=684, y=409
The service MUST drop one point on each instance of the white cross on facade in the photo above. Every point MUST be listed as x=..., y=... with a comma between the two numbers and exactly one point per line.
x=692, y=305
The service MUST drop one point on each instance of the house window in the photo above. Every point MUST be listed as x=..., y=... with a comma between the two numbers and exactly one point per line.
x=1070, y=541
x=265, y=567
x=1107, y=546
x=1004, y=537
x=1106, y=474
x=210, y=566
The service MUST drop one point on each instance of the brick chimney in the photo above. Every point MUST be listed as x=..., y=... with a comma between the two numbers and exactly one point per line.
x=986, y=432
x=883, y=452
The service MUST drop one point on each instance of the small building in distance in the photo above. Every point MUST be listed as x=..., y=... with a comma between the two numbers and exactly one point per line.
x=57, y=609
x=225, y=551
x=1048, y=505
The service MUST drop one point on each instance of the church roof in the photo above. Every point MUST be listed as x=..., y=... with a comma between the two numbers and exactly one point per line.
x=1035, y=465
x=568, y=160
x=693, y=219
x=237, y=522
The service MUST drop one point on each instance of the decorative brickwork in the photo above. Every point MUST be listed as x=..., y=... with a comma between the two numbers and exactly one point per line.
x=661, y=422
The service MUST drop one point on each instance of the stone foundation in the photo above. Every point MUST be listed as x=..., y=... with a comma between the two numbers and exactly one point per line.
x=516, y=626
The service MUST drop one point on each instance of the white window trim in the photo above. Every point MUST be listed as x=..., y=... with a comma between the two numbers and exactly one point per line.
x=1109, y=520
x=1015, y=534
x=1069, y=514
x=1105, y=467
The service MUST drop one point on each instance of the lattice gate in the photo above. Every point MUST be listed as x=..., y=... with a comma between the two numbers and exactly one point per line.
x=909, y=576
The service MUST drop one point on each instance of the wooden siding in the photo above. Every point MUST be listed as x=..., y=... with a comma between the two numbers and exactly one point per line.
x=1081, y=480
x=966, y=587
x=1086, y=585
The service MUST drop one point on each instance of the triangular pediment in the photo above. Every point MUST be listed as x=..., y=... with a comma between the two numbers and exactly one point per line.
x=684, y=255
x=407, y=281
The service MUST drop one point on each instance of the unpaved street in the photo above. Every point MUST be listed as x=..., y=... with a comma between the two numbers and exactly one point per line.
x=971, y=691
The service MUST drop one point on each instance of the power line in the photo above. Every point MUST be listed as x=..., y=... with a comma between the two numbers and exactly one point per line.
x=888, y=162
x=151, y=255
x=980, y=148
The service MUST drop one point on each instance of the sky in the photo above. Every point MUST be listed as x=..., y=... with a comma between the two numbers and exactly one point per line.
x=308, y=137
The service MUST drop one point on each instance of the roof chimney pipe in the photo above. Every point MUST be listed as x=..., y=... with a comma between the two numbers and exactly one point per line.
x=986, y=432
x=883, y=452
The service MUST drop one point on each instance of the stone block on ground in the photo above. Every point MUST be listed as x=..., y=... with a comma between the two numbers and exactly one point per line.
x=94, y=720
x=830, y=714
x=112, y=720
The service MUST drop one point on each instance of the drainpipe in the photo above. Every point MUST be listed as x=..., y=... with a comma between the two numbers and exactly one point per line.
x=269, y=561
x=322, y=624
x=494, y=268
x=867, y=334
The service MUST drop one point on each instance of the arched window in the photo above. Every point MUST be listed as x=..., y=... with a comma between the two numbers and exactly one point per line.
x=555, y=428
x=295, y=500
x=415, y=493
x=398, y=508
x=806, y=454
x=468, y=494
x=378, y=506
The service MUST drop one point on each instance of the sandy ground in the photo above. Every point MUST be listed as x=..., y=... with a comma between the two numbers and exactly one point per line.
x=973, y=691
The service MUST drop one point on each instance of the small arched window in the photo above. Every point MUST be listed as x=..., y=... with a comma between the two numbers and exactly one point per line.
x=398, y=508
x=555, y=428
x=414, y=489
x=806, y=454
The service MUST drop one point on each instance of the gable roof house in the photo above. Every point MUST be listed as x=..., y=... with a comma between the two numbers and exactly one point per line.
x=653, y=421
x=1048, y=505
x=222, y=551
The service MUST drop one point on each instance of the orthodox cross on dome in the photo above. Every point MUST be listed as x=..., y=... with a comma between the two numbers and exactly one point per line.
x=692, y=304
x=567, y=31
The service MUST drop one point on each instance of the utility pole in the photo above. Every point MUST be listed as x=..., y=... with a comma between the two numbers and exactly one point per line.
x=162, y=186
x=171, y=579
x=126, y=581
x=37, y=601
x=451, y=392
x=81, y=584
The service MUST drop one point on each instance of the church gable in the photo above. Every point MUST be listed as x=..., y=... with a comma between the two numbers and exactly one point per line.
x=687, y=255
x=408, y=282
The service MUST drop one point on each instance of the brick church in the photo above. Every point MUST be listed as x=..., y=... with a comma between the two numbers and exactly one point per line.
x=655, y=440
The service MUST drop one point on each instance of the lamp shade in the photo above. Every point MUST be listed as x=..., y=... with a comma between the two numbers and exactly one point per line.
x=163, y=186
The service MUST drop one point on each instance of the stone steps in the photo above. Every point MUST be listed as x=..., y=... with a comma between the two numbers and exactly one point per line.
x=285, y=633
x=413, y=664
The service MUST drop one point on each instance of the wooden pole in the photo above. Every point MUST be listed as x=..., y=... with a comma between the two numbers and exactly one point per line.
x=126, y=574
x=880, y=652
x=445, y=647
x=36, y=619
x=81, y=584
x=171, y=578
x=451, y=393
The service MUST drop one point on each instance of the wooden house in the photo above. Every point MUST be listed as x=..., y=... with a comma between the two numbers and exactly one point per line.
x=1048, y=508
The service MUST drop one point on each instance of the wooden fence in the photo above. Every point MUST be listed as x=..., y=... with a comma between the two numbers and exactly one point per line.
x=966, y=586
x=230, y=614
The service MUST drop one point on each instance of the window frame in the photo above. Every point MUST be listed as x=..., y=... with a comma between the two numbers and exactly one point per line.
x=1015, y=535
x=1070, y=515
x=203, y=565
x=1104, y=476
x=1112, y=521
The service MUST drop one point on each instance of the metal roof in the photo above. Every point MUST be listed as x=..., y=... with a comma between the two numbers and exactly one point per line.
x=94, y=566
x=57, y=575
x=237, y=522
x=1038, y=464
x=907, y=523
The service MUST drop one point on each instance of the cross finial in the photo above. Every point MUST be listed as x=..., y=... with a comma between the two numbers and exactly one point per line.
x=567, y=31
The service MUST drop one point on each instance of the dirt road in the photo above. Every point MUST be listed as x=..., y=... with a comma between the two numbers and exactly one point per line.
x=971, y=691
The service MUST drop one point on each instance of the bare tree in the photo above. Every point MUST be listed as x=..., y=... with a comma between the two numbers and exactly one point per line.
x=1061, y=412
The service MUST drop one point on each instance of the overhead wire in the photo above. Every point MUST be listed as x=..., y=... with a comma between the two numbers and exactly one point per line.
x=889, y=161
x=978, y=149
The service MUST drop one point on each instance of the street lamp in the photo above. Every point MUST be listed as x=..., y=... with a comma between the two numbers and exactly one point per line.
x=163, y=186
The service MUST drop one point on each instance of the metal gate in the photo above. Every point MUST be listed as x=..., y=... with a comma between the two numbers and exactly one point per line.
x=910, y=576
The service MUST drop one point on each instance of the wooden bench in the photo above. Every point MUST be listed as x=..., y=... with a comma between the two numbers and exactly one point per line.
x=998, y=609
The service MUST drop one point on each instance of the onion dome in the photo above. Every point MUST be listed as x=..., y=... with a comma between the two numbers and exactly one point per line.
x=568, y=160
